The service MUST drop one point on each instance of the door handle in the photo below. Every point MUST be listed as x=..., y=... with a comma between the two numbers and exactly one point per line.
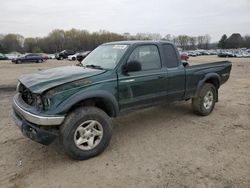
x=161, y=77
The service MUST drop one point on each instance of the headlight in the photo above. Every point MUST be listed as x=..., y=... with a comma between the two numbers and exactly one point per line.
x=46, y=103
x=39, y=103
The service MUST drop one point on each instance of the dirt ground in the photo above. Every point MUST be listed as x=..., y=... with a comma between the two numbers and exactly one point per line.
x=159, y=147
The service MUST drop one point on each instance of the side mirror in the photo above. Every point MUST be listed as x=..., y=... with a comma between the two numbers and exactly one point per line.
x=132, y=66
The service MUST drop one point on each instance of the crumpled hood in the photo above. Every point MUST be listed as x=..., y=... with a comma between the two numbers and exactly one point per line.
x=43, y=80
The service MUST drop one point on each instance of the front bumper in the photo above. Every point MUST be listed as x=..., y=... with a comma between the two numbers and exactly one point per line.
x=31, y=115
x=34, y=132
x=36, y=126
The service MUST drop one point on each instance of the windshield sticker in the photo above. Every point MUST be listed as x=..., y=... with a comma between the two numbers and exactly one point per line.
x=119, y=47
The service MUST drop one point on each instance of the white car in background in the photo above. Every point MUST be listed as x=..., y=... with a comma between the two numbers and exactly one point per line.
x=72, y=57
x=246, y=54
x=51, y=56
x=12, y=56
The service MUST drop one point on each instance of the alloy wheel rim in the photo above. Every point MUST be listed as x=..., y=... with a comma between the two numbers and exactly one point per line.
x=208, y=100
x=88, y=135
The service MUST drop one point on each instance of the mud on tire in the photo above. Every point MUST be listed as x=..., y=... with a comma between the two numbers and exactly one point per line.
x=204, y=103
x=82, y=140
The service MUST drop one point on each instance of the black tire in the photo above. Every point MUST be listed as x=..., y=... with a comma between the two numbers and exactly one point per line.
x=73, y=58
x=69, y=129
x=18, y=61
x=60, y=58
x=199, y=103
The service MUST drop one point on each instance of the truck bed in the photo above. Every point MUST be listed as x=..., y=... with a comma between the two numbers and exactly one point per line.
x=196, y=73
x=209, y=65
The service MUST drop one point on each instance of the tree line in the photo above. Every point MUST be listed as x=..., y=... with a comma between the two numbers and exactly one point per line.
x=56, y=41
x=78, y=40
x=234, y=41
x=190, y=42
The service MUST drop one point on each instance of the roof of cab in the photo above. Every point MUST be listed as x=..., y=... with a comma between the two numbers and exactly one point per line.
x=131, y=42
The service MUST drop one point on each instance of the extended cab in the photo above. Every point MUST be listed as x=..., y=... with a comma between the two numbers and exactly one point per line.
x=76, y=103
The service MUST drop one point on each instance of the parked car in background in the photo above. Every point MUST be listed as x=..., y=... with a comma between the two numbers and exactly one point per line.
x=72, y=57
x=222, y=54
x=51, y=56
x=28, y=58
x=44, y=56
x=184, y=56
x=213, y=52
x=192, y=54
x=3, y=57
x=82, y=55
x=238, y=54
x=64, y=54
x=226, y=54
x=206, y=53
x=12, y=56
x=246, y=54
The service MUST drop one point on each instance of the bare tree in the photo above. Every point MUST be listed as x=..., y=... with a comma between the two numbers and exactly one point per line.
x=207, y=39
x=182, y=41
x=192, y=42
x=200, y=41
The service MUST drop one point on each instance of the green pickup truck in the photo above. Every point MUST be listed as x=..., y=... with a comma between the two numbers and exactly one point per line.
x=76, y=103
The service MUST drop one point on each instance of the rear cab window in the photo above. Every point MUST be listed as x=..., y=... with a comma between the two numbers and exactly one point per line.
x=170, y=56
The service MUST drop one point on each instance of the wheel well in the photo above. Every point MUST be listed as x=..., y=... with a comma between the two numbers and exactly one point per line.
x=216, y=84
x=213, y=81
x=101, y=103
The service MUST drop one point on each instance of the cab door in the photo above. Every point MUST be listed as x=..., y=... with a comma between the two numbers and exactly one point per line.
x=176, y=73
x=147, y=85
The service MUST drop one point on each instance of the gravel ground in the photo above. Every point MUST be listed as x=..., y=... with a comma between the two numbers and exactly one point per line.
x=158, y=147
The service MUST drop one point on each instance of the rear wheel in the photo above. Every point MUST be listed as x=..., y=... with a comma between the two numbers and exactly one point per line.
x=205, y=102
x=86, y=133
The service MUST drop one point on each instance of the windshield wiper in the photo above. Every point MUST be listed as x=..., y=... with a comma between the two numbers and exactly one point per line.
x=95, y=67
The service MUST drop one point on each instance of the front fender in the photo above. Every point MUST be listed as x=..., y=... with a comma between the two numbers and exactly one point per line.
x=82, y=95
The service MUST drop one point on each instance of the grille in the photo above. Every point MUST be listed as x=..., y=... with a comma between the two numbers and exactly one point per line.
x=27, y=96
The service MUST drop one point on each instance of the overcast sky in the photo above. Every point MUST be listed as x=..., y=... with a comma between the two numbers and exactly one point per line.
x=32, y=18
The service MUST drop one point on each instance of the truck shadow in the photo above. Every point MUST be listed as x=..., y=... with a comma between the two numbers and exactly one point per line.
x=126, y=129
x=160, y=117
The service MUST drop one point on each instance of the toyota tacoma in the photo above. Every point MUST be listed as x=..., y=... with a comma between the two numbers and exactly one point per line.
x=76, y=103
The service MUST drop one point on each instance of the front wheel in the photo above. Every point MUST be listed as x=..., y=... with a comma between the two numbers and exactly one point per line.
x=86, y=133
x=204, y=104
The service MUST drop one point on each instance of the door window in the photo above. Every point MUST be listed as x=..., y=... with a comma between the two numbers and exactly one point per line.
x=148, y=56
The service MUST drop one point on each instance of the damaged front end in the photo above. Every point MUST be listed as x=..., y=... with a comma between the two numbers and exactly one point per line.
x=29, y=115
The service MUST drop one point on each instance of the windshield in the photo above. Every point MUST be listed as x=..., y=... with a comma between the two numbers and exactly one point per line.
x=105, y=56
